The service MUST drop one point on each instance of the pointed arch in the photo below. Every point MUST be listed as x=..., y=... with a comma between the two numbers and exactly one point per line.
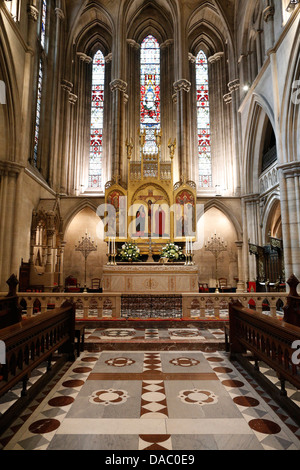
x=217, y=204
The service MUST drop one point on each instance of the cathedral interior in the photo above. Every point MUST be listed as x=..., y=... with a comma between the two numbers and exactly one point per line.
x=150, y=190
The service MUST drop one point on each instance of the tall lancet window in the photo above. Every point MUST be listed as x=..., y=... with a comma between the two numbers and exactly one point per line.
x=203, y=122
x=96, y=134
x=42, y=42
x=150, y=93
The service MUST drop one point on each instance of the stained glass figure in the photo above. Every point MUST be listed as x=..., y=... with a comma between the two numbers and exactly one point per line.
x=38, y=112
x=96, y=134
x=150, y=92
x=203, y=121
x=43, y=23
x=40, y=82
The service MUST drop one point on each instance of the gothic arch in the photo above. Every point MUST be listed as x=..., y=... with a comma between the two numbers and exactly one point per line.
x=10, y=112
x=75, y=210
x=290, y=116
x=270, y=213
x=228, y=213
x=260, y=113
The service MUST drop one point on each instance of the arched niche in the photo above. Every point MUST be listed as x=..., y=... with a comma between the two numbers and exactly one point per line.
x=273, y=222
x=259, y=126
x=85, y=221
x=216, y=221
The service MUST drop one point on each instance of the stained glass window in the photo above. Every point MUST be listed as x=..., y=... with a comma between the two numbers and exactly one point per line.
x=43, y=23
x=96, y=135
x=203, y=121
x=38, y=111
x=150, y=92
x=40, y=81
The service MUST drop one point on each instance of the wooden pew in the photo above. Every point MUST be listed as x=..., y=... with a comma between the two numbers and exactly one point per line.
x=30, y=343
x=10, y=310
x=258, y=337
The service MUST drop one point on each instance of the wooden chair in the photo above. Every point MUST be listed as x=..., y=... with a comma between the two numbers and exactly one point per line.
x=71, y=284
x=203, y=287
x=222, y=282
x=96, y=285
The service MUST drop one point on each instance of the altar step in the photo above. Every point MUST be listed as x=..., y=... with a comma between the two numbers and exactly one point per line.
x=166, y=335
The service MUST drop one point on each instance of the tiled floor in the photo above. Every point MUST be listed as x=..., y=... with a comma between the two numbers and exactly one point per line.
x=141, y=400
x=161, y=338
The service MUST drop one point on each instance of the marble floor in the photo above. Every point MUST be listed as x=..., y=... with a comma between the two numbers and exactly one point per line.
x=164, y=400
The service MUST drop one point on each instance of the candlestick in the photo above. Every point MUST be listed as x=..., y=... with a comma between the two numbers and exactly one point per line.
x=216, y=246
x=85, y=247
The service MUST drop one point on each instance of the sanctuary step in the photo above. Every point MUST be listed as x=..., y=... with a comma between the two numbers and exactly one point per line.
x=158, y=335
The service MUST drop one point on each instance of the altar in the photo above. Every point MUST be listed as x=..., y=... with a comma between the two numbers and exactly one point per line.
x=150, y=278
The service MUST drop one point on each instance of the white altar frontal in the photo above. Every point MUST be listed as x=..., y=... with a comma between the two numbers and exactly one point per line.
x=146, y=278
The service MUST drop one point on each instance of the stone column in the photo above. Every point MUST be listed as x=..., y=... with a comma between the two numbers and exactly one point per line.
x=56, y=97
x=50, y=233
x=66, y=109
x=182, y=88
x=118, y=88
x=241, y=286
x=167, y=115
x=219, y=123
x=251, y=230
x=234, y=87
x=81, y=124
x=289, y=179
x=10, y=174
x=268, y=14
x=26, y=143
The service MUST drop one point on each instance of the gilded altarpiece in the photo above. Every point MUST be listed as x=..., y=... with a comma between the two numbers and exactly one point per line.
x=149, y=206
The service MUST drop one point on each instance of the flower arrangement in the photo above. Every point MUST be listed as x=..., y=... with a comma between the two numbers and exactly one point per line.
x=129, y=252
x=172, y=252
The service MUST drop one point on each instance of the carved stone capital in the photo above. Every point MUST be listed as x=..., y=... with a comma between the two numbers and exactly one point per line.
x=119, y=85
x=227, y=98
x=108, y=58
x=32, y=12
x=132, y=43
x=84, y=58
x=167, y=43
x=182, y=85
x=216, y=57
x=59, y=13
x=66, y=85
x=234, y=85
x=72, y=98
x=268, y=13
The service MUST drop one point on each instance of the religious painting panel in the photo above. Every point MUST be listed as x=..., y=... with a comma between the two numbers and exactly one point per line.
x=116, y=215
x=150, y=214
x=185, y=215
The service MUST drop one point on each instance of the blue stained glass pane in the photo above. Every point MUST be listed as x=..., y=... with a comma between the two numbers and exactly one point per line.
x=38, y=113
x=96, y=132
x=150, y=92
x=203, y=121
x=43, y=23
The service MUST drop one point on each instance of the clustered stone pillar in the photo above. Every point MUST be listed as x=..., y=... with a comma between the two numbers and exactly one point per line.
x=118, y=88
x=289, y=178
x=26, y=134
x=56, y=96
x=182, y=88
x=234, y=87
x=10, y=177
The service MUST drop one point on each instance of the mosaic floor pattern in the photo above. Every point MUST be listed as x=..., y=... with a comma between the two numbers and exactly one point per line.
x=171, y=335
x=137, y=400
